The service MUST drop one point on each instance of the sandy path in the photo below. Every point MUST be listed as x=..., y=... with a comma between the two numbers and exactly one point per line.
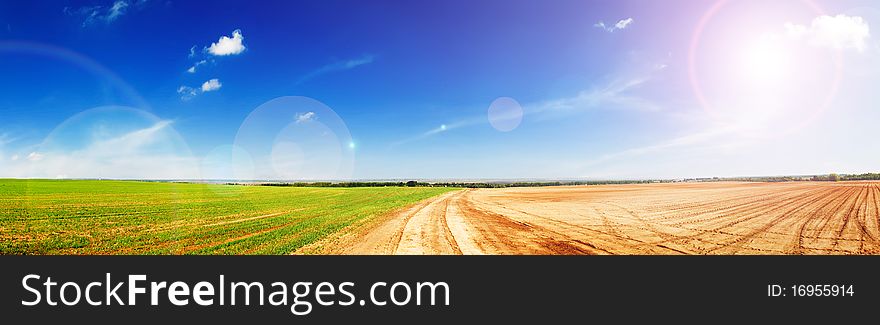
x=690, y=218
x=451, y=224
x=427, y=230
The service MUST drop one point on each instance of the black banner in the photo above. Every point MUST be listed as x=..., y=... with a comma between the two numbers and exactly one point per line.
x=486, y=288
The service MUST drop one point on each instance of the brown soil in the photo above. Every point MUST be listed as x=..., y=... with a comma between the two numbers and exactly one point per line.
x=678, y=218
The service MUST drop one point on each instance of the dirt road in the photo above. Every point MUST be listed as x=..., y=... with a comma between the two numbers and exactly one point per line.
x=686, y=218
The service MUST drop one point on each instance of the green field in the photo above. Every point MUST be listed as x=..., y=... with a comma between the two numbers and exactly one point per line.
x=131, y=217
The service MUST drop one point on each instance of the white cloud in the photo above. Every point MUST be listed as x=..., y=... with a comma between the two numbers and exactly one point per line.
x=5, y=138
x=118, y=9
x=224, y=46
x=623, y=23
x=837, y=32
x=148, y=153
x=211, y=85
x=356, y=62
x=228, y=45
x=14, y=157
x=305, y=117
x=615, y=94
x=186, y=92
x=620, y=24
x=35, y=156
x=338, y=66
x=192, y=69
x=101, y=13
x=132, y=140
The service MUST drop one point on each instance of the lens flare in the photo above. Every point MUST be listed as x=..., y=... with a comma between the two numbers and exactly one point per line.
x=756, y=78
x=297, y=138
x=505, y=114
x=114, y=142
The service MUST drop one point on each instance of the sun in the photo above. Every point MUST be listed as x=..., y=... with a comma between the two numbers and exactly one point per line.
x=766, y=63
x=763, y=78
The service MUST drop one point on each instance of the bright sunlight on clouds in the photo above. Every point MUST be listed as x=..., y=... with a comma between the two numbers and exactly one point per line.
x=838, y=32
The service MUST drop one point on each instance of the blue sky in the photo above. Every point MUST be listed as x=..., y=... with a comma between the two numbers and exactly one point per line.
x=605, y=89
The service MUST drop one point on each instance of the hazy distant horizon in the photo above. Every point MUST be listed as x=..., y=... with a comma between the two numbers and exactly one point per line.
x=438, y=180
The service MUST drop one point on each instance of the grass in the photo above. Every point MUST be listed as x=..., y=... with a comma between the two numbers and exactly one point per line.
x=131, y=217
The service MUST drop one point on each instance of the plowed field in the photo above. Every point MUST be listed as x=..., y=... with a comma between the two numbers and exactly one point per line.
x=677, y=218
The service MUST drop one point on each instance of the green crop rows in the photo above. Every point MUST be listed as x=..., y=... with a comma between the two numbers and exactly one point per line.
x=130, y=217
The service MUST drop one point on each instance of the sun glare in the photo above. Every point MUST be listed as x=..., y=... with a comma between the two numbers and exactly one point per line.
x=767, y=78
x=766, y=63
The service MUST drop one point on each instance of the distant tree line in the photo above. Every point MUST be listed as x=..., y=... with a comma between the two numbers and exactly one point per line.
x=766, y=179
x=833, y=177
x=846, y=177
x=826, y=178
x=536, y=184
x=345, y=184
